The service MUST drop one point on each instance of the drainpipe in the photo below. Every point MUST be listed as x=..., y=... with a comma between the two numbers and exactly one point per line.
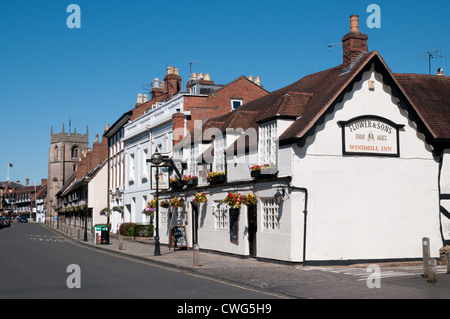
x=441, y=160
x=305, y=215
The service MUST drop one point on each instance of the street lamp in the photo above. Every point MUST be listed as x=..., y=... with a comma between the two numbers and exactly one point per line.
x=279, y=197
x=156, y=160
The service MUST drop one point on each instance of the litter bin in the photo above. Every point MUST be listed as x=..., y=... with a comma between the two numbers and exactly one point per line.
x=99, y=236
x=105, y=236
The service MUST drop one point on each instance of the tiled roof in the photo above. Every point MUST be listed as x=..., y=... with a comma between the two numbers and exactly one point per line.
x=304, y=100
x=307, y=100
x=430, y=94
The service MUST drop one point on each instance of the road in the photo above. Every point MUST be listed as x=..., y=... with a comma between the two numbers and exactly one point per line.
x=34, y=263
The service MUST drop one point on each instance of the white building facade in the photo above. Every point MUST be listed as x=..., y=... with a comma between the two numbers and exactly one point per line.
x=357, y=174
x=142, y=137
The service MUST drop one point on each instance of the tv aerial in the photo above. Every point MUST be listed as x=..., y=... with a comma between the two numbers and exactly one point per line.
x=331, y=45
x=431, y=55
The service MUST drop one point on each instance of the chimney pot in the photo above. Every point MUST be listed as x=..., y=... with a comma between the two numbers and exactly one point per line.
x=440, y=71
x=200, y=76
x=250, y=77
x=194, y=76
x=139, y=98
x=258, y=80
x=144, y=98
x=354, y=23
x=156, y=83
x=207, y=78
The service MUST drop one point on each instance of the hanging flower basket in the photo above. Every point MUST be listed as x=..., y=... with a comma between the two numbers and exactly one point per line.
x=199, y=198
x=118, y=209
x=164, y=204
x=152, y=203
x=175, y=202
x=148, y=211
x=233, y=200
x=105, y=211
x=249, y=200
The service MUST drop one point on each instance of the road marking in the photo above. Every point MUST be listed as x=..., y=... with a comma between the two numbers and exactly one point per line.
x=45, y=238
x=169, y=268
x=362, y=274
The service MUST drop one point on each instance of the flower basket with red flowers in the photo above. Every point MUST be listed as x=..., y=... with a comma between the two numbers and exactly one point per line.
x=164, y=203
x=249, y=200
x=263, y=171
x=190, y=180
x=175, y=202
x=233, y=200
x=199, y=198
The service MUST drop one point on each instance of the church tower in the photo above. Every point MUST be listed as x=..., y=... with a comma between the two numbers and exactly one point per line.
x=64, y=153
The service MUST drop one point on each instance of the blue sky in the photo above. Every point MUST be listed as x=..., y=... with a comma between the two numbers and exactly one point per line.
x=92, y=75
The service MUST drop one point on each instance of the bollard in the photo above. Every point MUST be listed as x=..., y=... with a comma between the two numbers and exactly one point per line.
x=79, y=234
x=426, y=255
x=432, y=271
x=120, y=242
x=447, y=257
x=196, y=250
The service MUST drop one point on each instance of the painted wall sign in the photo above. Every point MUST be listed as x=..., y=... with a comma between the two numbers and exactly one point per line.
x=370, y=135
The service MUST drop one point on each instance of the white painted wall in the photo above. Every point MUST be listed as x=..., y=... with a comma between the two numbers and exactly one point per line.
x=363, y=207
x=97, y=195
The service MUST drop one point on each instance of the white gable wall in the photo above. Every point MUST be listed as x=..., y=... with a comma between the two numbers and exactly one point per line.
x=367, y=207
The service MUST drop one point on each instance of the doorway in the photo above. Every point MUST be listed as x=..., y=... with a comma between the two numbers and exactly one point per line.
x=194, y=224
x=252, y=229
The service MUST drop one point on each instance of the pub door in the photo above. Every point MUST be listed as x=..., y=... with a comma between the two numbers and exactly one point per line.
x=194, y=225
x=252, y=229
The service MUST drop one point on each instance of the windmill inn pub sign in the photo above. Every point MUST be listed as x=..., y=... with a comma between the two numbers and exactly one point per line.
x=370, y=135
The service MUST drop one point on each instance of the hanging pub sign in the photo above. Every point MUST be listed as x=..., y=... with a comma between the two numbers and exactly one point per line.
x=163, y=181
x=370, y=135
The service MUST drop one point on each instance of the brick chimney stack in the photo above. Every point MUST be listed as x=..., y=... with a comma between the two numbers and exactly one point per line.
x=177, y=127
x=172, y=81
x=353, y=43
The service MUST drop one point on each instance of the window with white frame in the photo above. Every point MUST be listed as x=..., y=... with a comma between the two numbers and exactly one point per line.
x=163, y=216
x=235, y=103
x=268, y=144
x=132, y=169
x=221, y=216
x=193, y=153
x=270, y=214
x=144, y=164
x=219, y=154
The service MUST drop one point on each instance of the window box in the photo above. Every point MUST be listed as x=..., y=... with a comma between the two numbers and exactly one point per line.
x=263, y=171
x=192, y=182
x=175, y=184
x=217, y=179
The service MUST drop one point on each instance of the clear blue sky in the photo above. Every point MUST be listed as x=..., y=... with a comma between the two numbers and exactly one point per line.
x=92, y=75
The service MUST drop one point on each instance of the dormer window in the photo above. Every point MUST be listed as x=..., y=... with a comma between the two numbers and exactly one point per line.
x=219, y=154
x=235, y=103
x=268, y=144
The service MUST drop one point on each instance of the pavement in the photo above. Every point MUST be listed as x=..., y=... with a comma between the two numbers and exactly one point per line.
x=292, y=281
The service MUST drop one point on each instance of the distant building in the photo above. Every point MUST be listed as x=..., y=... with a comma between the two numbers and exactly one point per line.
x=28, y=200
x=83, y=196
x=64, y=152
